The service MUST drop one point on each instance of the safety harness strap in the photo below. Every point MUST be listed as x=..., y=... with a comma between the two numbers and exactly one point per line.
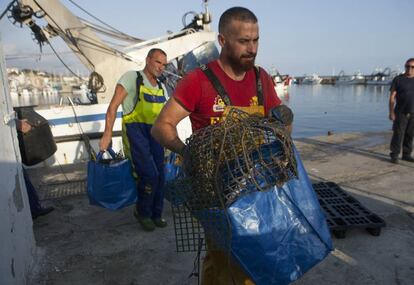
x=140, y=81
x=259, y=86
x=222, y=92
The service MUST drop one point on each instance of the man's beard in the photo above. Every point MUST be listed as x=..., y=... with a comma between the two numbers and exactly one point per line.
x=242, y=63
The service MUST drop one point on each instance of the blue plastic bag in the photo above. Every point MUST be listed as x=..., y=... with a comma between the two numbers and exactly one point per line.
x=280, y=234
x=110, y=183
x=172, y=167
x=276, y=235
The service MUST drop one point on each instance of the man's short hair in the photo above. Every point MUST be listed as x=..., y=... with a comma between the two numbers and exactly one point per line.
x=409, y=60
x=236, y=13
x=154, y=50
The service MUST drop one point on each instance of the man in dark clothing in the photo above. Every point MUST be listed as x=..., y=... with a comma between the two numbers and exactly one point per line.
x=36, y=208
x=401, y=112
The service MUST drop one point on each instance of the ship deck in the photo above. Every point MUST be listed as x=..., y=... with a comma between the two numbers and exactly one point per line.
x=82, y=244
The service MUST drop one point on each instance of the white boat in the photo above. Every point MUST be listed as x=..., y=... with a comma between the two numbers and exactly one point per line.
x=80, y=94
x=281, y=90
x=343, y=79
x=281, y=83
x=68, y=123
x=382, y=77
x=313, y=79
x=187, y=48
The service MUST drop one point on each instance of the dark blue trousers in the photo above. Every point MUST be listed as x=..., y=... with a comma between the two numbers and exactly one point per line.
x=148, y=159
x=34, y=202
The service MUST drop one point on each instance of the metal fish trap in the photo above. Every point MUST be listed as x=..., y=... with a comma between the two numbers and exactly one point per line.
x=223, y=162
x=241, y=155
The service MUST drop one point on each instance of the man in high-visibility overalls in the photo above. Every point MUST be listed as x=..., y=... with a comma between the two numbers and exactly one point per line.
x=142, y=96
x=206, y=93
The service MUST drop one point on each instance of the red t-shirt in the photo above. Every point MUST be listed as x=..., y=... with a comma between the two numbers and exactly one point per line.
x=198, y=96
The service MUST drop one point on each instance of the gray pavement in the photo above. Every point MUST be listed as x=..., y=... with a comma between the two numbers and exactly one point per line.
x=82, y=244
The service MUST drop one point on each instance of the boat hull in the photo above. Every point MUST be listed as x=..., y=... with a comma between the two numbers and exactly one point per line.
x=69, y=123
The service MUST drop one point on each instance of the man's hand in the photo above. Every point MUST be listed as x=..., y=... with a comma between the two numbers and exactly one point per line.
x=391, y=105
x=105, y=141
x=23, y=126
x=187, y=162
x=283, y=114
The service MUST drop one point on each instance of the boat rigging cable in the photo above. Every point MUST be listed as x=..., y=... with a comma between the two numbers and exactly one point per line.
x=33, y=55
x=61, y=60
x=74, y=43
x=102, y=22
x=95, y=82
x=110, y=33
x=24, y=14
x=66, y=36
x=39, y=36
x=85, y=138
x=7, y=9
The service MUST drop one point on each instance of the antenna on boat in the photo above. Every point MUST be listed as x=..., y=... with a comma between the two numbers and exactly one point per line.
x=206, y=16
x=200, y=21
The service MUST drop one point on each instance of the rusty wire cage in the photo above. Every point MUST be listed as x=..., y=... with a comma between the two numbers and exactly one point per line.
x=222, y=163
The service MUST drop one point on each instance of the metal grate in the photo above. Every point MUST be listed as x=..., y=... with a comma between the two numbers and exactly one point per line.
x=62, y=189
x=188, y=231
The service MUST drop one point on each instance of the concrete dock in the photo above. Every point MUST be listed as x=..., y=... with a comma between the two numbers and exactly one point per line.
x=82, y=244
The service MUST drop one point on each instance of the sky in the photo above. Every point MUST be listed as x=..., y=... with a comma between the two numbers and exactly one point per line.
x=297, y=37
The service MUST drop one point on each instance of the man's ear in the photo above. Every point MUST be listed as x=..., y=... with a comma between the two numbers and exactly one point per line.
x=221, y=40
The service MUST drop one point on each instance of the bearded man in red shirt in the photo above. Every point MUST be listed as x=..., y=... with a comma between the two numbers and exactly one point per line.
x=207, y=92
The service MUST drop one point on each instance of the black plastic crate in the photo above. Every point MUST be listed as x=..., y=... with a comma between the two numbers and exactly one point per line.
x=344, y=212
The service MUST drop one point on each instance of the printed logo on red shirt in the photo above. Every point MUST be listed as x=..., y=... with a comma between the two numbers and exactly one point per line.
x=254, y=101
x=219, y=105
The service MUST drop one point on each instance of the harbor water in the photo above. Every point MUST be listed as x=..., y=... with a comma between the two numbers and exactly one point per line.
x=318, y=109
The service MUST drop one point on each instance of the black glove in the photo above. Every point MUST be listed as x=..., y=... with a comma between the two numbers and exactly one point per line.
x=283, y=114
x=187, y=163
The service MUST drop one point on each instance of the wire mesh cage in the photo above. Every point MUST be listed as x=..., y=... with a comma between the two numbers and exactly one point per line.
x=223, y=162
x=189, y=234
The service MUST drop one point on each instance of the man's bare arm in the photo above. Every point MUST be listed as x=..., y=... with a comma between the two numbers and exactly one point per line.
x=392, y=105
x=165, y=127
x=119, y=96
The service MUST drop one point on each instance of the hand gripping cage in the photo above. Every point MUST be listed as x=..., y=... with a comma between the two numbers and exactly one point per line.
x=222, y=163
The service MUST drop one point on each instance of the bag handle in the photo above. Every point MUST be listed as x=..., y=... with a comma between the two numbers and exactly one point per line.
x=172, y=157
x=100, y=154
